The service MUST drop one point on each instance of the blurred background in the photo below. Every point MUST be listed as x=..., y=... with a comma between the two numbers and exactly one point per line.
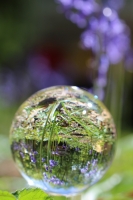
x=39, y=48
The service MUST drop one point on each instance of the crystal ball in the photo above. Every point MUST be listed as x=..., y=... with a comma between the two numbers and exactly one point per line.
x=62, y=140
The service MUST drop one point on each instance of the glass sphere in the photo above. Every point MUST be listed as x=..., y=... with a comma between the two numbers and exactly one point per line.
x=62, y=140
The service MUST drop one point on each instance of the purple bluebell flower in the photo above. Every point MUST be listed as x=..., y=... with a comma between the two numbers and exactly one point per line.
x=33, y=159
x=16, y=146
x=77, y=149
x=83, y=170
x=53, y=179
x=78, y=19
x=56, y=181
x=53, y=163
x=87, y=175
x=35, y=152
x=47, y=168
x=22, y=154
x=43, y=159
x=104, y=65
x=23, y=145
x=90, y=40
x=64, y=146
x=90, y=152
x=94, y=162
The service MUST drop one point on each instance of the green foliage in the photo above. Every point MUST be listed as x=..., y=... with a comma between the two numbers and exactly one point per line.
x=30, y=194
x=4, y=195
x=26, y=194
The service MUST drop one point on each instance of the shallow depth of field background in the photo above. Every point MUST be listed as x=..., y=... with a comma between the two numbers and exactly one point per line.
x=40, y=48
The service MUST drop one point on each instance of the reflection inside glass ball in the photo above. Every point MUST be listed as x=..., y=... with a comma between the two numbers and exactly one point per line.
x=62, y=140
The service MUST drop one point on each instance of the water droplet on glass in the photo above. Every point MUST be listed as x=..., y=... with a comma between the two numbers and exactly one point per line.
x=62, y=140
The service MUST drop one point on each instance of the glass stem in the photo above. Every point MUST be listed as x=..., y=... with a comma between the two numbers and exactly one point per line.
x=114, y=94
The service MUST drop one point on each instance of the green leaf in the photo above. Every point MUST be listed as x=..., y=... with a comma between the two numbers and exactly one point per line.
x=30, y=194
x=16, y=194
x=4, y=195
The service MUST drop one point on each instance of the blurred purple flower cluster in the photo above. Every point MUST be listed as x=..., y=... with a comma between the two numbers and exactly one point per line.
x=104, y=33
x=53, y=179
